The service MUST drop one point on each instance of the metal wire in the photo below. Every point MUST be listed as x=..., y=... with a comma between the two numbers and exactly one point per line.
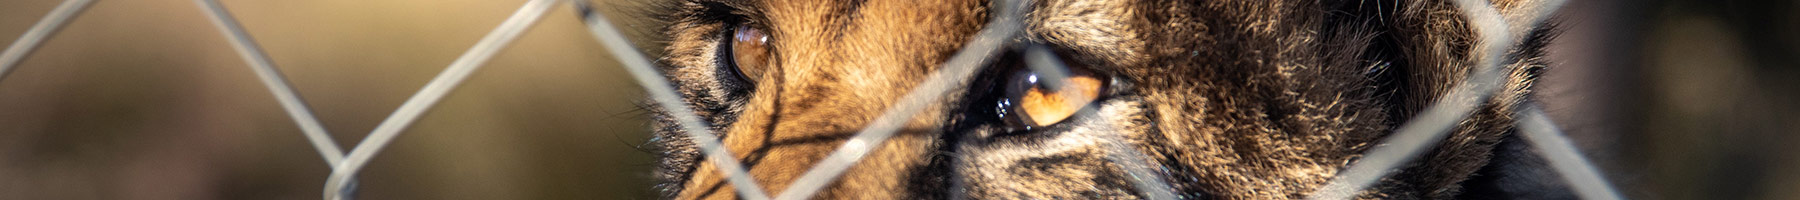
x=278, y=85
x=1047, y=66
x=271, y=77
x=1436, y=121
x=35, y=36
x=955, y=72
x=665, y=96
x=1145, y=179
x=434, y=91
x=1575, y=170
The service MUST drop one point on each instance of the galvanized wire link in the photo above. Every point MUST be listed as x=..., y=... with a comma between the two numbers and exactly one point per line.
x=416, y=106
x=1575, y=170
x=665, y=96
x=271, y=77
x=1046, y=65
x=35, y=36
x=1430, y=126
x=954, y=73
x=1143, y=176
x=1551, y=143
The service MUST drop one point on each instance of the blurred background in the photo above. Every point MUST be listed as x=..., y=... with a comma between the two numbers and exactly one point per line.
x=144, y=99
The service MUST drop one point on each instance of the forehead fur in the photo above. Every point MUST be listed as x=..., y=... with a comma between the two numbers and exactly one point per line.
x=836, y=65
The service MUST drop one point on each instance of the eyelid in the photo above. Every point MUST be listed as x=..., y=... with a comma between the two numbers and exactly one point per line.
x=729, y=11
x=732, y=3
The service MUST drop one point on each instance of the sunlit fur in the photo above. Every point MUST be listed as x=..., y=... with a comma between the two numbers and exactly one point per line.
x=1228, y=99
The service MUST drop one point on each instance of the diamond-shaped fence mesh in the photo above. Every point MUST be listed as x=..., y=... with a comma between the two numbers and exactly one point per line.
x=1406, y=143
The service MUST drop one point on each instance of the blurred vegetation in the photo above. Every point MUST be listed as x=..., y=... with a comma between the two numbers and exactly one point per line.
x=1677, y=99
x=146, y=100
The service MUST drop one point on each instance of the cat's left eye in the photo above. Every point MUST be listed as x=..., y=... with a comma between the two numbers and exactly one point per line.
x=748, y=49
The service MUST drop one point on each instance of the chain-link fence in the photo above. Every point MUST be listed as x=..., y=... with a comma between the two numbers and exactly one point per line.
x=1417, y=135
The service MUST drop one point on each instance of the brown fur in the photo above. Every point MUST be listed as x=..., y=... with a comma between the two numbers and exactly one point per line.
x=1231, y=99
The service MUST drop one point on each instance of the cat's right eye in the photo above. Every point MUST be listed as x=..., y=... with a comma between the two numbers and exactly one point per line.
x=1032, y=101
x=747, y=48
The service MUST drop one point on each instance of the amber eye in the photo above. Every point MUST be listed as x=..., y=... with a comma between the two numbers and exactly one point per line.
x=1033, y=100
x=749, y=52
